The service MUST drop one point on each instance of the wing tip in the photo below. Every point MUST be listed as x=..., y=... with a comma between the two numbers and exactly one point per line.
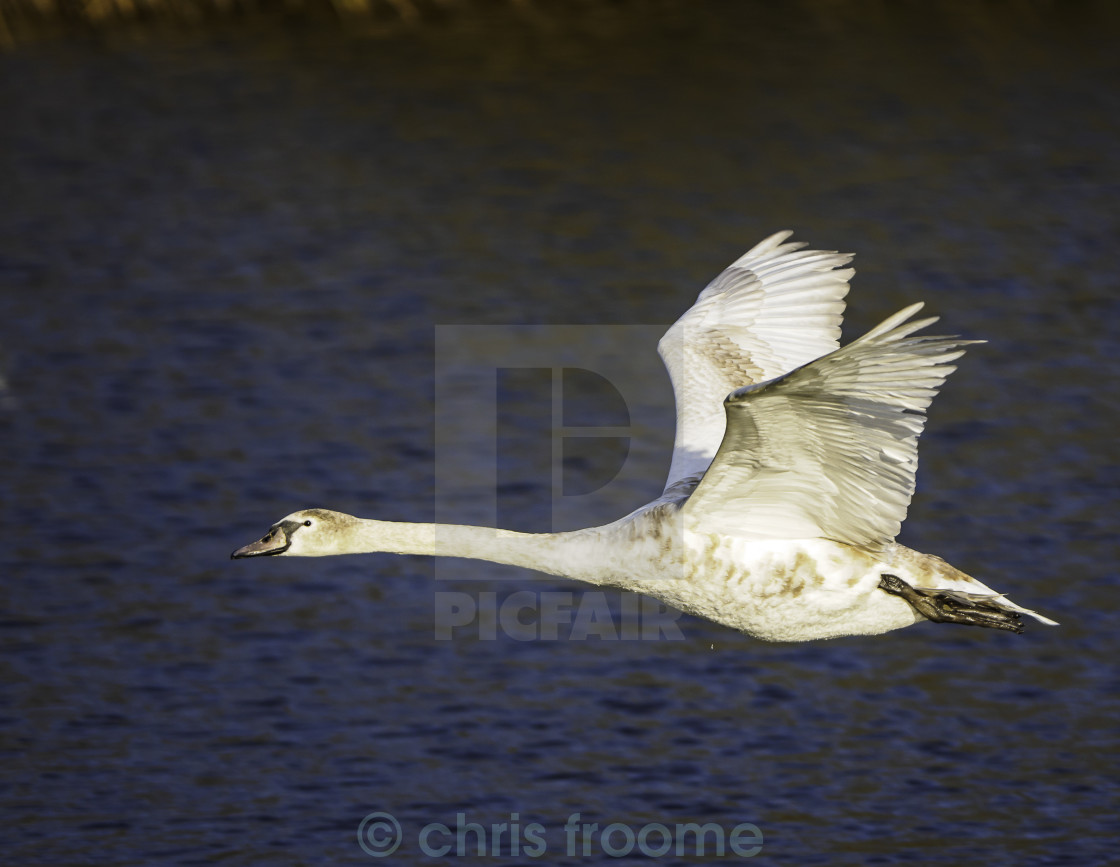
x=771, y=243
x=900, y=326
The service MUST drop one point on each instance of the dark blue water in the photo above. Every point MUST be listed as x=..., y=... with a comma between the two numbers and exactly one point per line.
x=226, y=263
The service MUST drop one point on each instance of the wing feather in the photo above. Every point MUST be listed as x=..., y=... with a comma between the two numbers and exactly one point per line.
x=830, y=449
x=776, y=307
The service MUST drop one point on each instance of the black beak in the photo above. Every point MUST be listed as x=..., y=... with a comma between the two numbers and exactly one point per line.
x=276, y=541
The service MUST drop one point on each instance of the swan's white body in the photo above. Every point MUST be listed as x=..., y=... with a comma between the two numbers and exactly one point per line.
x=792, y=470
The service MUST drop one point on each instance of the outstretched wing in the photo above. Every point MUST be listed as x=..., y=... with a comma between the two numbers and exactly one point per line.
x=776, y=307
x=830, y=449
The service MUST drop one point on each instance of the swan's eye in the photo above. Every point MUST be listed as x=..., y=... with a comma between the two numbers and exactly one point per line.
x=307, y=523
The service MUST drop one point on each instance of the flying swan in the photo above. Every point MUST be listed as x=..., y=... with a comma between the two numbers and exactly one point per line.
x=792, y=470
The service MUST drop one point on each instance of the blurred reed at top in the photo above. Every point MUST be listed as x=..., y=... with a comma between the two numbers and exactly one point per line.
x=28, y=20
x=23, y=21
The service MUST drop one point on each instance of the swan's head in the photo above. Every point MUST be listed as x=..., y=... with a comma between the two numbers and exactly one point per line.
x=307, y=533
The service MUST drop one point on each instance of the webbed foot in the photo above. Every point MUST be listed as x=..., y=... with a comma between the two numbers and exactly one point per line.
x=953, y=606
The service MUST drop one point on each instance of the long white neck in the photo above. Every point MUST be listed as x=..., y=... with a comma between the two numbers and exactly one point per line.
x=571, y=555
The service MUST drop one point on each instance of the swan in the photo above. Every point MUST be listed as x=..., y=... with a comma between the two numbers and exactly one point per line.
x=793, y=467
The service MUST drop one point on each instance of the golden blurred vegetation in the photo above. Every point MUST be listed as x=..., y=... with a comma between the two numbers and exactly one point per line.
x=23, y=20
x=26, y=20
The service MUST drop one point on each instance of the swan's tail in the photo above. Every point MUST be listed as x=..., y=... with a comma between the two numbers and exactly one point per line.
x=1002, y=601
